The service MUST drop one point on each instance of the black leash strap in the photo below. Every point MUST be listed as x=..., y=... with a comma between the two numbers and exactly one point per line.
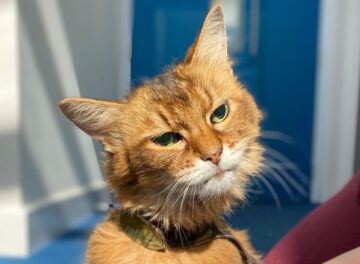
x=246, y=257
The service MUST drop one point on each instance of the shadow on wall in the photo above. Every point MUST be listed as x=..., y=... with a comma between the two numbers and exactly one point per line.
x=46, y=63
x=68, y=49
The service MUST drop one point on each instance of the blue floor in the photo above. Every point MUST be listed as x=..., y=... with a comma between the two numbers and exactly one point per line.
x=266, y=225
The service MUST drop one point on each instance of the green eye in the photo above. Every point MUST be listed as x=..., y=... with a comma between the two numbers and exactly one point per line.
x=167, y=139
x=220, y=113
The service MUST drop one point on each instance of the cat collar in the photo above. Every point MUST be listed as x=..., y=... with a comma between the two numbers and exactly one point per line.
x=141, y=230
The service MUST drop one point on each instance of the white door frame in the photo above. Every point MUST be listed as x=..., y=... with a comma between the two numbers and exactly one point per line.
x=337, y=97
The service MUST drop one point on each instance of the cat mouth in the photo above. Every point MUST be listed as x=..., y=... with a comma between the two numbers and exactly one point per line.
x=219, y=174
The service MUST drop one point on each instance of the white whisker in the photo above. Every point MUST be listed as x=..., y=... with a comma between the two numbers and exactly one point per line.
x=272, y=191
x=280, y=180
x=278, y=167
x=281, y=157
x=276, y=135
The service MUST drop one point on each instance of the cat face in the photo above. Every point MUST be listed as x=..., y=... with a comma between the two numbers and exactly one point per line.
x=194, y=128
x=188, y=135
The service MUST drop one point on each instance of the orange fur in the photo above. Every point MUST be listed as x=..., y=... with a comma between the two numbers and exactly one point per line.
x=161, y=179
x=109, y=245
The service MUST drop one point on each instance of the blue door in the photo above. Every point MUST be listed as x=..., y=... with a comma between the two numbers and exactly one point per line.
x=273, y=46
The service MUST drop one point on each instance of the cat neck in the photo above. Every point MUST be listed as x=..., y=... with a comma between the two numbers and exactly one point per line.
x=190, y=217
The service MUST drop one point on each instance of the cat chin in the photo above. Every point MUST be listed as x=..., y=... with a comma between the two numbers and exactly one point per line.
x=218, y=185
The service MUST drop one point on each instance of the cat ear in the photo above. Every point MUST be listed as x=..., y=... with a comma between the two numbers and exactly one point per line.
x=210, y=46
x=97, y=118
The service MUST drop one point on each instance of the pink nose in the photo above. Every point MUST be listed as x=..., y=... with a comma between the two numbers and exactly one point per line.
x=213, y=156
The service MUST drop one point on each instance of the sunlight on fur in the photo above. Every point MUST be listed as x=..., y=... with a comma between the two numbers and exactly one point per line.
x=203, y=167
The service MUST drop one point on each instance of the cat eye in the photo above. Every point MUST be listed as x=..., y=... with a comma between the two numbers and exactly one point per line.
x=167, y=139
x=220, y=114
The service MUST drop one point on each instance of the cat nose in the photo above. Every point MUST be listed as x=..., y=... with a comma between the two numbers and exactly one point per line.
x=213, y=155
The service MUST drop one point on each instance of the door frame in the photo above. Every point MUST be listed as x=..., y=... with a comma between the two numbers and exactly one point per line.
x=337, y=97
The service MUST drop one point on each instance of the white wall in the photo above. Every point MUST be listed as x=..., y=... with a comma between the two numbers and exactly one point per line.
x=10, y=176
x=64, y=48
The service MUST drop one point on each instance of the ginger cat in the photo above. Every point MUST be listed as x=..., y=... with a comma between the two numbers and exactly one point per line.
x=179, y=152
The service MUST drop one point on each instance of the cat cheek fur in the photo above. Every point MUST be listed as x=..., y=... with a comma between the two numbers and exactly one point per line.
x=202, y=175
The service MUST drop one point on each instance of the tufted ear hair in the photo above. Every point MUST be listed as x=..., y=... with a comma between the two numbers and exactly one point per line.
x=210, y=46
x=98, y=118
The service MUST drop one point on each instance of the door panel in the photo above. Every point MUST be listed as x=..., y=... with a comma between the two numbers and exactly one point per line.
x=287, y=66
x=163, y=31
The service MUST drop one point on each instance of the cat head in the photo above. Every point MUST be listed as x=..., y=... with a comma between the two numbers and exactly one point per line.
x=183, y=145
